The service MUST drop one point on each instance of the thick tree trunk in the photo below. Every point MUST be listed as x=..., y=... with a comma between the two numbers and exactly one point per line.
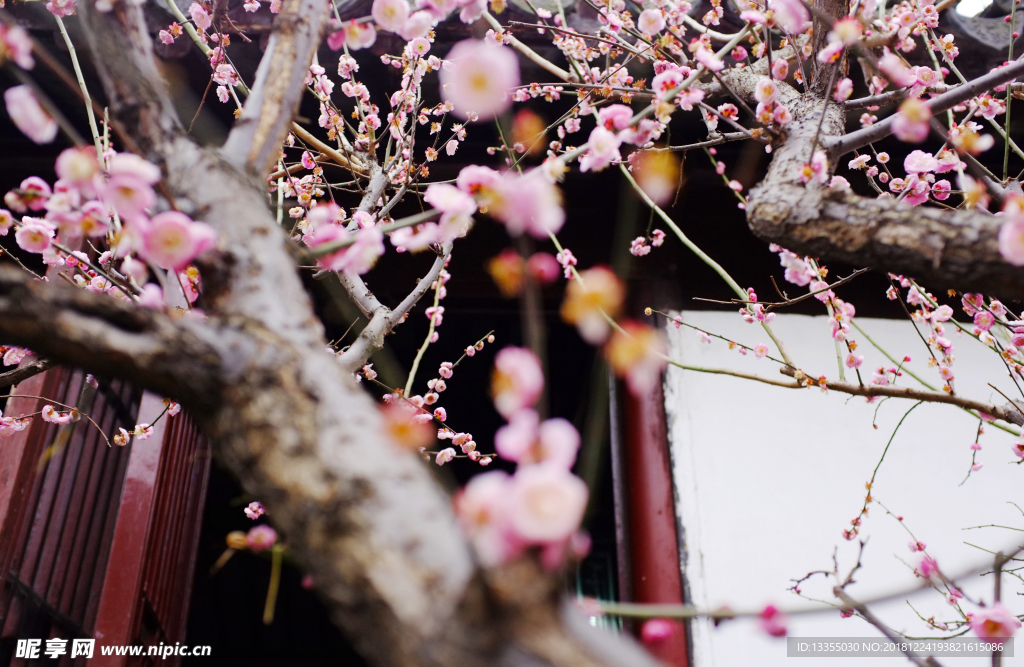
x=365, y=517
x=943, y=248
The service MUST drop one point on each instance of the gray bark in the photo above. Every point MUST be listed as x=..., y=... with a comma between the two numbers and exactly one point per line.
x=943, y=248
x=363, y=516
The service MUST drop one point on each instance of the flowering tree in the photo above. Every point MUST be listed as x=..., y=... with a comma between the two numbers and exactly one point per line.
x=213, y=314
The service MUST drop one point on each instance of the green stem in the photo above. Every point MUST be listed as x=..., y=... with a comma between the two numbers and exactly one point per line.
x=1009, y=95
x=85, y=89
x=275, y=584
x=704, y=257
x=426, y=342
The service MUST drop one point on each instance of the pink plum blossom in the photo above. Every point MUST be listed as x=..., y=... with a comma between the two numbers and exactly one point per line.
x=14, y=355
x=77, y=166
x=919, y=162
x=708, y=59
x=558, y=442
x=893, y=67
x=766, y=91
x=928, y=567
x=129, y=164
x=418, y=25
x=49, y=414
x=615, y=116
x=481, y=507
x=129, y=189
x=171, y=240
x=444, y=456
x=656, y=631
x=1011, y=240
x=390, y=14
x=984, y=320
x=28, y=115
x=353, y=34
x=527, y=203
x=773, y=621
x=357, y=258
x=17, y=45
x=479, y=79
x=456, y=208
x=200, y=16
x=255, y=510
x=517, y=381
x=911, y=121
x=34, y=235
x=525, y=440
x=604, y=149
x=994, y=621
x=651, y=22
x=663, y=84
x=843, y=90
x=515, y=440
x=791, y=14
x=261, y=537
x=780, y=68
x=416, y=238
x=543, y=267
x=546, y=503
x=831, y=52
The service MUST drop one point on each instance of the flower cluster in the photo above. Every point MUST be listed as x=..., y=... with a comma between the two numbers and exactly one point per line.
x=112, y=200
x=542, y=504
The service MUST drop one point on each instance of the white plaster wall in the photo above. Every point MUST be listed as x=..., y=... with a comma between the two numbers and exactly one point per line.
x=767, y=478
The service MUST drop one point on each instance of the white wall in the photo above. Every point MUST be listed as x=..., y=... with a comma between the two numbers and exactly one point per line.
x=767, y=478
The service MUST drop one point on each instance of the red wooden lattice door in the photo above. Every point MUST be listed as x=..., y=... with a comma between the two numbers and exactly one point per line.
x=97, y=541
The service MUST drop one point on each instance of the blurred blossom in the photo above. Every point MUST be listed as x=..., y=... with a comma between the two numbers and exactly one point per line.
x=636, y=353
x=591, y=300
x=657, y=174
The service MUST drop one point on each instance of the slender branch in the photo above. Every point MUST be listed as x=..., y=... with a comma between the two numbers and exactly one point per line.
x=862, y=609
x=384, y=320
x=768, y=305
x=22, y=373
x=85, y=90
x=529, y=53
x=1007, y=413
x=838, y=146
x=353, y=164
x=721, y=138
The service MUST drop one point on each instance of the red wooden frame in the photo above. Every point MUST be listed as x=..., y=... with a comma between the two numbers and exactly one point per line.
x=654, y=542
x=99, y=541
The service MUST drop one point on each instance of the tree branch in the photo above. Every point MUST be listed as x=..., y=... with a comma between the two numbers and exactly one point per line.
x=948, y=249
x=384, y=320
x=254, y=143
x=22, y=373
x=893, y=636
x=107, y=336
x=529, y=53
x=1009, y=413
x=840, y=145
